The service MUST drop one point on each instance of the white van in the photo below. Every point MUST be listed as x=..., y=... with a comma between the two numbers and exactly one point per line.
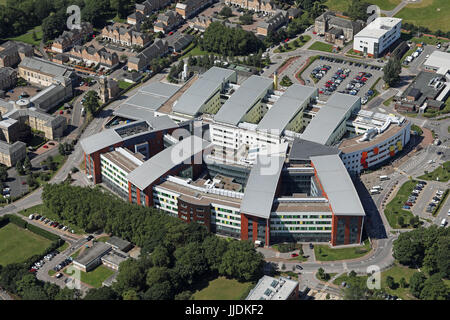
x=377, y=188
x=31, y=216
x=382, y=178
x=443, y=222
x=374, y=191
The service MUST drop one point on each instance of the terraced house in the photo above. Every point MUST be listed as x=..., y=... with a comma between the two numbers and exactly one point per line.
x=189, y=8
x=266, y=6
x=167, y=21
x=90, y=55
x=125, y=35
x=73, y=37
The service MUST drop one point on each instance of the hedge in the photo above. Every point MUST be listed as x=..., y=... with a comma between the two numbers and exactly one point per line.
x=44, y=233
x=4, y=221
x=17, y=221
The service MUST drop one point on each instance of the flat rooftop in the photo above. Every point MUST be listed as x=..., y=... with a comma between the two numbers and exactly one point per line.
x=301, y=207
x=243, y=99
x=92, y=253
x=269, y=288
x=287, y=107
x=377, y=28
x=440, y=61
x=352, y=144
x=123, y=160
x=338, y=186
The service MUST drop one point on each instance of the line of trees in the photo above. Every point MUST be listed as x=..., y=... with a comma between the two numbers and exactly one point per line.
x=181, y=254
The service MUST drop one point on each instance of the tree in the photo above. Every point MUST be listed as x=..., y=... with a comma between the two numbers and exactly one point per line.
x=226, y=12
x=3, y=174
x=185, y=295
x=358, y=10
x=403, y=283
x=416, y=283
x=68, y=294
x=130, y=295
x=92, y=101
x=242, y=261
x=27, y=165
x=31, y=181
x=159, y=291
x=286, y=81
x=392, y=71
x=246, y=18
x=401, y=221
x=103, y=293
x=160, y=257
x=190, y=262
x=157, y=274
x=435, y=289
x=407, y=250
x=321, y=273
x=19, y=167
x=390, y=282
x=131, y=276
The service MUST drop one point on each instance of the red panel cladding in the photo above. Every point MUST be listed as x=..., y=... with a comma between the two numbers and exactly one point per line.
x=364, y=155
x=244, y=227
x=138, y=196
x=334, y=223
x=267, y=232
x=360, y=220
x=375, y=150
x=255, y=230
x=129, y=192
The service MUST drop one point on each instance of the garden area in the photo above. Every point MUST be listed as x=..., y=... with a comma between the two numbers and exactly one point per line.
x=325, y=253
x=224, y=289
x=18, y=244
x=124, y=84
x=94, y=277
x=292, y=45
x=32, y=36
x=440, y=174
x=342, y=5
x=394, y=212
x=320, y=46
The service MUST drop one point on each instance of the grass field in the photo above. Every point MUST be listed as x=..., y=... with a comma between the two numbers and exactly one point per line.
x=103, y=239
x=394, y=209
x=325, y=253
x=95, y=277
x=17, y=244
x=321, y=46
x=441, y=172
x=64, y=246
x=432, y=14
x=342, y=5
x=223, y=289
x=28, y=36
x=124, y=85
x=397, y=272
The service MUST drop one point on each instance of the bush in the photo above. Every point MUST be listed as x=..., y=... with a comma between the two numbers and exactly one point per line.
x=17, y=221
x=44, y=233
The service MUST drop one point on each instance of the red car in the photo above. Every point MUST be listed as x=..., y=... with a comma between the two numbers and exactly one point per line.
x=327, y=85
x=33, y=270
x=46, y=147
x=294, y=255
x=364, y=79
x=24, y=182
x=320, y=91
x=408, y=204
x=358, y=78
x=287, y=39
x=343, y=76
x=170, y=33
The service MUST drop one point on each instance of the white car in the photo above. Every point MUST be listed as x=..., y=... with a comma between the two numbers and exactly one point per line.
x=448, y=213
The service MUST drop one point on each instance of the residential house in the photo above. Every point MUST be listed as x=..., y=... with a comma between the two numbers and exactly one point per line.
x=179, y=41
x=189, y=8
x=272, y=23
x=73, y=37
x=167, y=21
x=266, y=6
x=143, y=59
x=8, y=78
x=11, y=53
x=148, y=6
x=90, y=55
x=125, y=35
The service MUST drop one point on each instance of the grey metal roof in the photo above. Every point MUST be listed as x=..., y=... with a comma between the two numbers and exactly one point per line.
x=304, y=150
x=208, y=83
x=439, y=60
x=287, y=107
x=90, y=254
x=338, y=186
x=10, y=149
x=329, y=117
x=148, y=101
x=100, y=140
x=162, y=162
x=235, y=108
x=44, y=66
x=160, y=89
x=134, y=112
x=118, y=242
x=261, y=186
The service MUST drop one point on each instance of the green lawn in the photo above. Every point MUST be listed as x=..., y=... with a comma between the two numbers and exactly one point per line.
x=103, y=239
x=292, y=46
x=441, y=172
x=394, y=209
x=342, y=5
x=17, y=244
x=28, y=36
x=432, y=14
x=388, y=101
x=195, y=52
x=321, y=46
x=95, y=277
x=124, y=85
x=43, y=211
x=397, y=272
x=76, y=254
x=223, y=289
x=325, y=253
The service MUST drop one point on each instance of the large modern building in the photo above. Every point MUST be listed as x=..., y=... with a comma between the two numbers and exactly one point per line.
x=377, y=36
x=269, y=288
x=269, y=166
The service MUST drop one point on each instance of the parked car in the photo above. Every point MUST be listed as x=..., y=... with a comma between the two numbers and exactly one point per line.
x=294, y=255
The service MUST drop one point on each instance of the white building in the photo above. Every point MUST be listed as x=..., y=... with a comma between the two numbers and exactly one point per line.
x=377, y=36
